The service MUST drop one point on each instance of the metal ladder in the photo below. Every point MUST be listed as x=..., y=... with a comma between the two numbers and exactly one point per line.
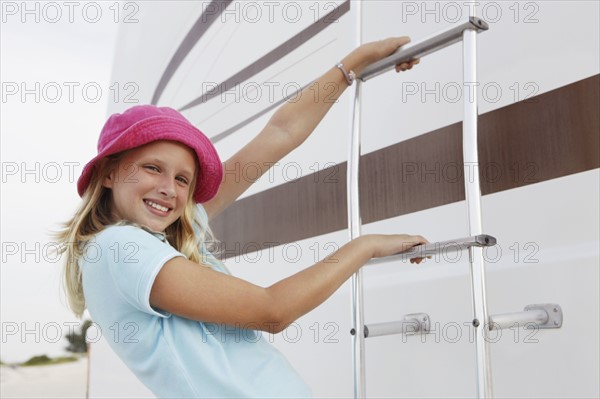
x=541, y=316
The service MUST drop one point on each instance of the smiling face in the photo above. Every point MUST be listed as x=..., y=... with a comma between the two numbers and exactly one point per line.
x=152, y=184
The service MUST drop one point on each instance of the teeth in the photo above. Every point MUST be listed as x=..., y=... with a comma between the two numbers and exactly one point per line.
x=159, y=207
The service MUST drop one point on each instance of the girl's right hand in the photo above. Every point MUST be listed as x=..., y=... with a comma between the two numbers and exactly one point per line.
x=392, y=244
x=369, y=53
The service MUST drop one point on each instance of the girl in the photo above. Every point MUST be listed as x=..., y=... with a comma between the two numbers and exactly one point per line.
x=137, y=257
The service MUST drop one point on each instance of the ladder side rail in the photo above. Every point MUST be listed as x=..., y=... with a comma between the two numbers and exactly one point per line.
x=354, y=227
x=354, y=222
x=473, y=197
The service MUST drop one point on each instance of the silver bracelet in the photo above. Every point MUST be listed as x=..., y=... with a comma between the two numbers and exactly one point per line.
x=350, y=76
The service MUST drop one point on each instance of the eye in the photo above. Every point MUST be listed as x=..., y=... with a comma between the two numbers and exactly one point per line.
x=152, y=168
x=182, y=180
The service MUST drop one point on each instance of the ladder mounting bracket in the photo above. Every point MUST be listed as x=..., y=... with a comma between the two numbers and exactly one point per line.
x=546, y=315
x=555, y=315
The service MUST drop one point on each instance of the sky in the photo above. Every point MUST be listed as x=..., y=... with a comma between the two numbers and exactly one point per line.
x=55, y=68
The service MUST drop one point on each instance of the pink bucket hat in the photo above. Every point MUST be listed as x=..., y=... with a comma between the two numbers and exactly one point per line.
x=144, y=124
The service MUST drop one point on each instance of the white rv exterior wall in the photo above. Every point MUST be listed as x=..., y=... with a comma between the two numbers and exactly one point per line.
x=548, y=232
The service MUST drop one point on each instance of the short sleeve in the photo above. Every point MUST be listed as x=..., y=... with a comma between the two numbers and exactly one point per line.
x=134, y=257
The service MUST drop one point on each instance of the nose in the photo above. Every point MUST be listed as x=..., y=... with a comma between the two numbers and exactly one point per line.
x=167, y=187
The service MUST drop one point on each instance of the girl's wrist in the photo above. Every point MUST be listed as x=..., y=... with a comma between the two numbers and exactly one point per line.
x=358, y=60
x=349, y=70
x=353, y=62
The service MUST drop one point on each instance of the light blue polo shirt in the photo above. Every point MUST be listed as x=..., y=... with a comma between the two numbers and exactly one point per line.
x=173, y=356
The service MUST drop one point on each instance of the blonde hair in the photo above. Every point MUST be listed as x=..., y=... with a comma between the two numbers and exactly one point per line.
x=94, y=214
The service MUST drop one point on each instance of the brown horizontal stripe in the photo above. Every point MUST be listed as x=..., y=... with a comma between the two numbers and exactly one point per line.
x=548, y=136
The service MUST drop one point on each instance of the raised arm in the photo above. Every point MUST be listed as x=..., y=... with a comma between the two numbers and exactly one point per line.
x=200, y=293
x=293, y=122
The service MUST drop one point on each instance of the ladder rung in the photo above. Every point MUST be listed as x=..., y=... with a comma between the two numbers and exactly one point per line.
x=439, y=248
x=419, y=49
x=411, y=324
